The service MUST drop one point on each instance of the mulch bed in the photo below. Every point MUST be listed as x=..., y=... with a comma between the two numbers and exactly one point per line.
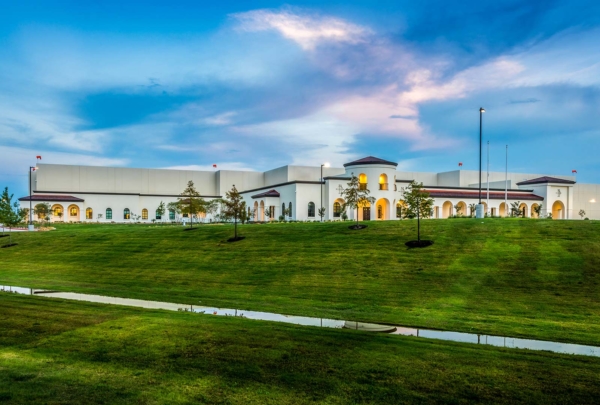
x=9, y=245
x=4, y=236
x=357, y=227
x=419, y=244
x=190, y=229
x=239, y=238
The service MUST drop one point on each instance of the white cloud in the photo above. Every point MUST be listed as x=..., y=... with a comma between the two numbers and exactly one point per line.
x=306, y=30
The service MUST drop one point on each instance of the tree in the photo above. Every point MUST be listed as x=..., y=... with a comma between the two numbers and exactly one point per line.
x=161, y=210
x=418, y=203
x=267, y=212
x=472, y=208
x=174, y=206
x=10, y=214
x=212, y=207
x=582, y=214
x=458, y=209
x=233, y=207
x=538, y=210
x=321, y=212
x=355, y=197
x=191, y=203
x=42, y=210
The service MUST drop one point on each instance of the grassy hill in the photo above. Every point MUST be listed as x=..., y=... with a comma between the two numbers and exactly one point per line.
x=529, y=278
x=54, y=351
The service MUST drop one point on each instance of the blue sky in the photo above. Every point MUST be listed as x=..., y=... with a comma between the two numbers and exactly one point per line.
x=257, y=85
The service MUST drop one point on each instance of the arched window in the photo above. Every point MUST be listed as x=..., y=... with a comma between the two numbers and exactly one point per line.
x=172, y=215
x=399, y=210
x=144, y=213
x=362, y=180
x=290, y=209
x=383, y=182
x=73, y=211
x=126, y=213
x=109, y=213
x=283, y=209
x=337, y=209
x=157, y=215
x=311, y=209
x=89, y=214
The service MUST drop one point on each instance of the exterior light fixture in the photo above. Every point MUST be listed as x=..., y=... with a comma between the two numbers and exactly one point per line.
x=322, y=166
x=593, y=200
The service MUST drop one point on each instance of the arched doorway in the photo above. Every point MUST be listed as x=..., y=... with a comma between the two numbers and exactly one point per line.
x=58, y=212
x=364, y=212
x=447, y=209
x=383, y=209
x=73, y=213
x=524, y=210
x=502, y=209
x=558, y=210
x=400, y=209
x=534, y=207
x=261, y=211
x=461, y=209
x=255, y=210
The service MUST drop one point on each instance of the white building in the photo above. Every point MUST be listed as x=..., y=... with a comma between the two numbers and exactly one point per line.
x=109, y=194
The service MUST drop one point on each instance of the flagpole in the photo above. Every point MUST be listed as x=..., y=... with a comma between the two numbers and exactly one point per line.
x=488, y=177
x=506, y=186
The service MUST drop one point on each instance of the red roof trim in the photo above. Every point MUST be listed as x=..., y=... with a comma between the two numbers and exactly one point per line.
x=545, y=179
x=51, y=197
x=270, y=193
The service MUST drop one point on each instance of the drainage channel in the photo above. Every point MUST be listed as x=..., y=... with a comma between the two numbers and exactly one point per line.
x=499, y=341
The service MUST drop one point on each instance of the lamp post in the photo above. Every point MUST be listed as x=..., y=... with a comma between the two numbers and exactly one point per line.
x=30, y=227
x=479, y=211
x=323, y=165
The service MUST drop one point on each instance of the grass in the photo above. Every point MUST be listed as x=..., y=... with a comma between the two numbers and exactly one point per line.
x=522, y=278
x=54, y=351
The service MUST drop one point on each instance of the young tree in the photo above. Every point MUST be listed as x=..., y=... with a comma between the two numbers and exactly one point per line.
x=355, y=196
x=472, y=208
x=418, y=203
x=267, y=212
x=321, y=212
x=212, y=207
x=234, y=207
x=10, y=214
x=42, y=210
x=515, y=211
x=538, y=210
x=161, y=210
x=191, y=203
x=582, y=214
x=458, y=209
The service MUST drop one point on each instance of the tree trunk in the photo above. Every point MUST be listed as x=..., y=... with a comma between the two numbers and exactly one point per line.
x=235, y=227
x=357, y=216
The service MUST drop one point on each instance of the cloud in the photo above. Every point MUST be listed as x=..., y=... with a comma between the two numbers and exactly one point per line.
x=524, y=101
x=306, y=30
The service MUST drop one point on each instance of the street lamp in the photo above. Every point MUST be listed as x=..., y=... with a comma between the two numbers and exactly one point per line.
x=30, y=227
x=479, y=211
x=323, y=165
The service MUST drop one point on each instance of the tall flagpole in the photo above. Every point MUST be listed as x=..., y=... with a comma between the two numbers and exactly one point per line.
x=488, y=177
x=506, y=186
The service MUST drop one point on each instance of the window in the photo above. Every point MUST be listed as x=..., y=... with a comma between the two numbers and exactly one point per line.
x=126, y=213
x=144, y=213
x=283, y=209
x=73, y=211
x=379, y=212
x=89, y=214
x=398, y=211
x=172, y=215
x=337, y=209
x=311, y=209
x=108, y=213
x=383, y=182
x=362, y=180
x=290, y=209
x=157, y=215
x=58, y=211
x=272, y=211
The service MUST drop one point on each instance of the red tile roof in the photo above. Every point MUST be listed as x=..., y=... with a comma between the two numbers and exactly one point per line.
x=51, y=197
x=270, y=193
x=475, y=194
x=370, y=160
x=545, y=179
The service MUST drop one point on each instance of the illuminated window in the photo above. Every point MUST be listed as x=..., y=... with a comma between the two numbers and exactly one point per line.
x=58, y=211
x=126, y=213
x=311, y=209
x=89, y=214
x=172, y=215
x=337, y=209
x=73, y=211
x=144, y=213
x=108, y=213
x=362, y=180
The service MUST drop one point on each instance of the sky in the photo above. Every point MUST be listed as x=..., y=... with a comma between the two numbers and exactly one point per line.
x=255, y=85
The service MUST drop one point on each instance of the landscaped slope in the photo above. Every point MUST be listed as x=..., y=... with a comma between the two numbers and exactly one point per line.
x=78, y=353
x=533, y=278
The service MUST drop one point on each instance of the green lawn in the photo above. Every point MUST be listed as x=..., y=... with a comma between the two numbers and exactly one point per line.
x=54, y=351
x=527, y=278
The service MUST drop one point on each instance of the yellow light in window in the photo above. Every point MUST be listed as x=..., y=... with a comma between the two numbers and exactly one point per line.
x=593, y=200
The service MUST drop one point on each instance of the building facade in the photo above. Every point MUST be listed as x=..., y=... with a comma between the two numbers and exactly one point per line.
x=109, y=194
